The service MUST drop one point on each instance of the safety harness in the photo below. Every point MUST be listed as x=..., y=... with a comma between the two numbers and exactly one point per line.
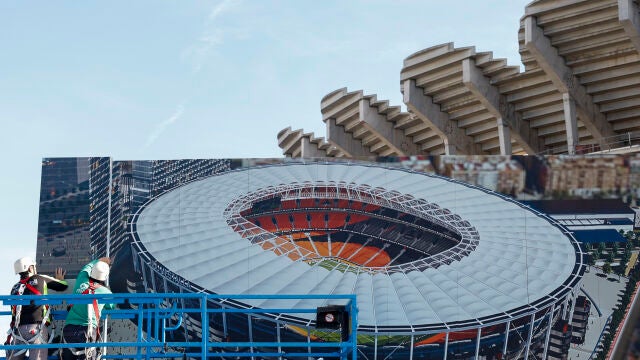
x=93, y=312
x=14, y=335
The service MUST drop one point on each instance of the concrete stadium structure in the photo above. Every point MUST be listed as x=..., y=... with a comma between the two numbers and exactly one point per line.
x=441, y=269
x=579, y=92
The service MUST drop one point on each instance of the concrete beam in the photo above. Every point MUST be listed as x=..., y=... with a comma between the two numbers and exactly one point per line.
x=455, y=140
x=499, y=107
x=534, y=8
x=392, y=137
x=629, y=17
x=352, y=147
x=562, y=77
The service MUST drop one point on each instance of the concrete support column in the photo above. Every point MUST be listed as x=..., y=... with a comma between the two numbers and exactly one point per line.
x=571, y=122
x=562, y=76
x=629, y=17
x=456, y=141
x=309, y=149
x=394, y=138
x=450, y=149
x=504, y=136
x=498, y=106
x=337, y=134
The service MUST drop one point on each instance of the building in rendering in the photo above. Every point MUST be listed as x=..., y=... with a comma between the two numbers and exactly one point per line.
x=590, y=220
x=64, y=235
x=153, y=177
x=588, y=176
x=438, y=267
x=86, y=204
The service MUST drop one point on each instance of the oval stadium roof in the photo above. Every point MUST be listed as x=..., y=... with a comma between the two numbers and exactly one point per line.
x=521, y=258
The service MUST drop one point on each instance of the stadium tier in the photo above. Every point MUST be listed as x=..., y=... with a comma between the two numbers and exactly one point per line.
x=438, y=267
x=576, y=93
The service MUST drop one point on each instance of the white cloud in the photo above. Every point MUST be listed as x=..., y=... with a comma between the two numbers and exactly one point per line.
x=220, y=8
x=211, y=36
x=161, y=127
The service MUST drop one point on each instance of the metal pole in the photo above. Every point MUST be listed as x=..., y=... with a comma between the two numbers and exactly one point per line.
x=354, y=328
x=506, y=339
x=308, y=339
x=446, y=346
x=548, y=335
x=224, y=321
x=279, y=340
x=573, y=307
x=375, y=347
x=411, y=349
x=204, y=316
x=533, y=319
x=478, y=343
x=250, y=335
x=106, y=319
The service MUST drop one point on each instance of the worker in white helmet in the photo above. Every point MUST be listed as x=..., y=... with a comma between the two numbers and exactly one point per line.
x=83, y=321
x=29, y=322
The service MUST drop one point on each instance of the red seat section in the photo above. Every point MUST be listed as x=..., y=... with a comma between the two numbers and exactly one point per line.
x=371, y=207
x=365, y=255
x=307, y=203
x=283, y=222
x=336, y=219
x=323, y=248
x=317, y=220
x=288, y=204
x=265, y=223
x=343, y=204
x=381, y=259
x=300, y=221
x=307, y=245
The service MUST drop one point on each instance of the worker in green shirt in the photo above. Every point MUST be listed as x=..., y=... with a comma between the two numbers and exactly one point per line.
x=82, y=322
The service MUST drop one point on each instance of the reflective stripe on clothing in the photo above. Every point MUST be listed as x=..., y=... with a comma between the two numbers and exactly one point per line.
x=31, y=334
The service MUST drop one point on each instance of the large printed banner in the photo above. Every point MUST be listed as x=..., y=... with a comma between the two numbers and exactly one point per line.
x=430, y=245
x=582, y=192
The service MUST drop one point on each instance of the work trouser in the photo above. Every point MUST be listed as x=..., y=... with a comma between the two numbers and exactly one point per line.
x=77, y=334
x=30, y=334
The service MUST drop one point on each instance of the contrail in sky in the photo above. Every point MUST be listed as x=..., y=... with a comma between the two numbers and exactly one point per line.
x=161, y=127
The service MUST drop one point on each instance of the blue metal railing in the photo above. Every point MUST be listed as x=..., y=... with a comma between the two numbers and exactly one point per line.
x=163, y=332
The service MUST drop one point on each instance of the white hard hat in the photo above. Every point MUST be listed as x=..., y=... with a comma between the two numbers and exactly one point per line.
x=100, y=271
x=22, y=264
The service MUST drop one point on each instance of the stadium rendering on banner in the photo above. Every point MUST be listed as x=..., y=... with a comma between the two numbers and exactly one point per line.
x=440, y=269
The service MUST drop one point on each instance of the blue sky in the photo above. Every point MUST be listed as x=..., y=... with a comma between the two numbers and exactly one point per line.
x=183, y=79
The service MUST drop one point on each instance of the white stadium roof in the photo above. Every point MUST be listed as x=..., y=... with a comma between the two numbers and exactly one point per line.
x=522, y=262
